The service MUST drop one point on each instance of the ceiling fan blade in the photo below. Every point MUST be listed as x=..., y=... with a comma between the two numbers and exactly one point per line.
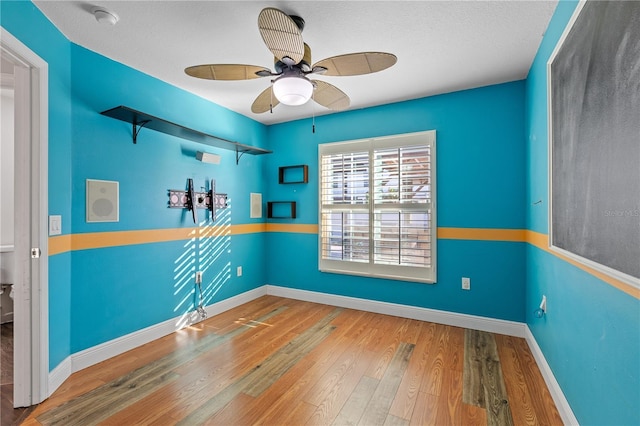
x=225, y=71
x=265, y=101
x=281, y=34
x=330, y=96
x=357, y=63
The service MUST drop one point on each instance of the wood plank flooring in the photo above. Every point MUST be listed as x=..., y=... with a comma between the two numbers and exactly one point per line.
x=277, y=361
x=8, y=414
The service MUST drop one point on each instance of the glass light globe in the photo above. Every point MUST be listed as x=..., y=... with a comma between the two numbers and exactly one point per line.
x=293, y=90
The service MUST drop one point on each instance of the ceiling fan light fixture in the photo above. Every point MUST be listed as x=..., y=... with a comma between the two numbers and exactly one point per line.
x=282, y=34
x=293, y=90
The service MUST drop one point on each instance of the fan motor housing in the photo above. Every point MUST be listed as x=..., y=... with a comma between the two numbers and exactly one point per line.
x=304, y=64
x=298, y=21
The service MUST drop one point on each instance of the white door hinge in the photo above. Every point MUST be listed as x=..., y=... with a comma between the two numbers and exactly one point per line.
x=35, y=253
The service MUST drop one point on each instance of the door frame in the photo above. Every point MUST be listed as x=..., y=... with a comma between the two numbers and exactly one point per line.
x=31, y=290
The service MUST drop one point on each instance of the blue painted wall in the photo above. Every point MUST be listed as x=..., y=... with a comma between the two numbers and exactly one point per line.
x=492, y=165
x=20, y=18
x=116, y=291
x=591, y=333
x=100, y=294
x=480, y=184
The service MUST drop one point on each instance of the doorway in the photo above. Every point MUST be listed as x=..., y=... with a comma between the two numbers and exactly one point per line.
x=27, y=74
x=7, y=260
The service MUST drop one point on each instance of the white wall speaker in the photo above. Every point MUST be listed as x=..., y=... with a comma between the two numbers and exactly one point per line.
x=207, y=157
x=102, y=201
x=255, y=205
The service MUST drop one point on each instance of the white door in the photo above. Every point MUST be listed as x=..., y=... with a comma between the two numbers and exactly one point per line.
x=31, y=366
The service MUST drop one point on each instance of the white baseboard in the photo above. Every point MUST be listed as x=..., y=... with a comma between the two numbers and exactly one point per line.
x=104, y=351
x=99, y=353
x=58, y=375
x=510, y=328
x=90, y=356
x=554, y=387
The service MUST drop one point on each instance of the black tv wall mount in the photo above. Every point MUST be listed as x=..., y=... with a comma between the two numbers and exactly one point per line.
x=193, y=200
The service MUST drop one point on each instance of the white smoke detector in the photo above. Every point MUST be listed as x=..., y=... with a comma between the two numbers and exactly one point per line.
x=104, y=15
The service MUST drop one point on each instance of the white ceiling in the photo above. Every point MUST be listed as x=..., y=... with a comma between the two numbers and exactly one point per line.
x=442, y=46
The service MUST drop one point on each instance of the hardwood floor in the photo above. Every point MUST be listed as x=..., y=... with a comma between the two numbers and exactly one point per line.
x=281, y=361
x=8, y=415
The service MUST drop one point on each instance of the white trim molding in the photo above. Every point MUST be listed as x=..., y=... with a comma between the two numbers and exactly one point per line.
x=564, y=409
x=58, y=375
x=6, y=83
x=31, y=346
x=95, y=354
x=510, y=328
x=104, y=351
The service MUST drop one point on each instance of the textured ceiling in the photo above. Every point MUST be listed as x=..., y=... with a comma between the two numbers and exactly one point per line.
x=442, y=46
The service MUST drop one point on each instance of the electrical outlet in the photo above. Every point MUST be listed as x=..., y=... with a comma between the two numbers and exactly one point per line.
x=198, y=277
x=239, y=271
x=466, y=283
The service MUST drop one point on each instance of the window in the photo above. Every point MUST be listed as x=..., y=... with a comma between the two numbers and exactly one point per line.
x=377, y=207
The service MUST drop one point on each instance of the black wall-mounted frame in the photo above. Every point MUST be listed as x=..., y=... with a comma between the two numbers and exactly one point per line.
x=285, y=172
x=272, y=205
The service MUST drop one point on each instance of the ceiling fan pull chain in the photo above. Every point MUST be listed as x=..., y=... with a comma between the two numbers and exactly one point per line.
x=313, y=116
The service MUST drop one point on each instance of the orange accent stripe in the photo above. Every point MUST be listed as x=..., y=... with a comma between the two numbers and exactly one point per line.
x=59, y=244
x=124, y=238
x=541, y=241
x=251, y=228
x=482, y=234
x=292, y=227
x=93, y=240
x=65, y=243
x=537, y=239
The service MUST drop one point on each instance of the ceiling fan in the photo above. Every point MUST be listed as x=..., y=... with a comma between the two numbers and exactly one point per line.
x=282, y=34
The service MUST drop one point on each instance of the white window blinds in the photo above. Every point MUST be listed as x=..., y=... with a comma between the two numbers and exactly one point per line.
x=377, y=207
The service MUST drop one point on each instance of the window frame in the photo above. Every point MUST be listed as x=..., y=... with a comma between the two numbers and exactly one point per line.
x=369, y=269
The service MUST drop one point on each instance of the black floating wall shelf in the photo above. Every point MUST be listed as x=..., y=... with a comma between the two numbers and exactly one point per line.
x=293, y=174
x=140, y=119
x=288, y=210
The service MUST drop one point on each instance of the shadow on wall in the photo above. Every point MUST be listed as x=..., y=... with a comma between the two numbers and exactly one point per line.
x=204, y=253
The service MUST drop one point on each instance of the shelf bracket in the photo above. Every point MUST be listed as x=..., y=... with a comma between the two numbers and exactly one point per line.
x=238, y=157
x=136, y=129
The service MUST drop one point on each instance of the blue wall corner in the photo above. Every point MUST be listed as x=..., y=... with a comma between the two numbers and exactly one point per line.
x=491, y=165
x=480, y=163
x=591, y=333
x=100, y=294
x=155, y=276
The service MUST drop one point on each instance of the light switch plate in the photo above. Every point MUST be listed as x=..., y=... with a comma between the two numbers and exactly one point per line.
x=55, y=224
